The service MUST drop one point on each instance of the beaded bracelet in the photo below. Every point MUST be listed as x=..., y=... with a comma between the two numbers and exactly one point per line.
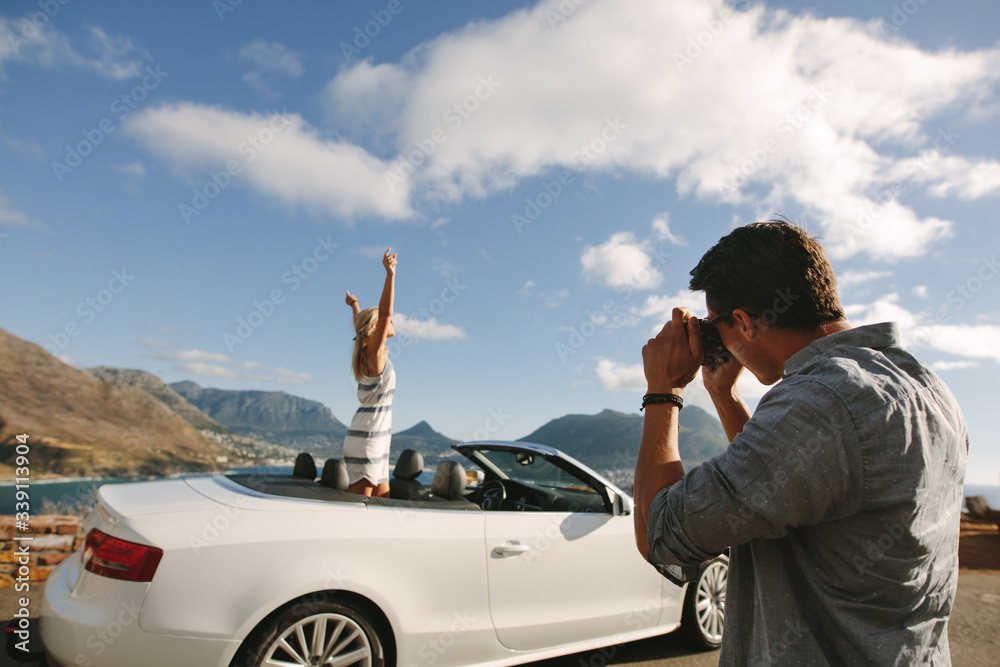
x=653, y=399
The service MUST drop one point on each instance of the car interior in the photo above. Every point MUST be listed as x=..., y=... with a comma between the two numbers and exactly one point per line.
x=452, y=487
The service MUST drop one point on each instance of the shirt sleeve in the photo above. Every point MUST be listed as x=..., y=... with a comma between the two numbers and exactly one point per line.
x=796, y=463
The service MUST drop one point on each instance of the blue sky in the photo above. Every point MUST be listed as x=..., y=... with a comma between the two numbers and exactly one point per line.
x=548, y=173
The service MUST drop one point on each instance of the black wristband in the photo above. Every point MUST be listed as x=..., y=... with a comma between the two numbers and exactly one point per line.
x=653, y=399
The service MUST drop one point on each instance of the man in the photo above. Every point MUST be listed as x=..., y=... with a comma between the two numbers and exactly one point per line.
x=839, y=497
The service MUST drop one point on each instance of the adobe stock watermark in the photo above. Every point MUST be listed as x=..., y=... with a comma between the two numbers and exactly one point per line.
x=565, y=10
x=455, y=116
x=265, y=308
x=435, y=647
x=495, y=420
x=878, y=548
x=583, y=157
x=899, y=16
x=140, y=432
x=87, y=310
x=696, y=45
x=121, y=106
x=788, y=125
x=101, y=639
x=363, y=35
x=868, y=214
x=450, y=293
x=596, y=319
x=955, y=300
x=248, y=150
x=30, y=25
x=223, y=7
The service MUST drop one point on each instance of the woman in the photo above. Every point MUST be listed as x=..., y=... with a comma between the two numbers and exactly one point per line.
x=366, y=446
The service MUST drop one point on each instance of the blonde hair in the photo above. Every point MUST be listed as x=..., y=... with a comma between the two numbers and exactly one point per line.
x=364, y=327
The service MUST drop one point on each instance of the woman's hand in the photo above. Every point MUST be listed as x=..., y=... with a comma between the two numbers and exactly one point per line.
x=351, y=299
x=389, y=262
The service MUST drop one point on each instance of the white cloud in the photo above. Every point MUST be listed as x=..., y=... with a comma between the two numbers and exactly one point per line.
x=110, y=57
x=952, y=365
x=429, y=329
x=620, y=261
x=191, y=355
x=527, y=288
x=921, y=291
x=851, y=278
x=375, y=252
x=295, y=166
x=660, y=308
x=273, y=57
x=285, y=376
x=213, y=370
x=661, y=225
x=925, y=330
x=836, y=109
x=167, y=330
x=950, y=176
x=616, y=376
x=10, y=217
x=248, y=365
x=152, y=342
x=68, y=360
x=135, y=168
x=554, y=300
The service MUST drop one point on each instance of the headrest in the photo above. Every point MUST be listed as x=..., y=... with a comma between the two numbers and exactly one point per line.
x=409, y=465
x=449, y=480
x=335, y=475
x=305, y=467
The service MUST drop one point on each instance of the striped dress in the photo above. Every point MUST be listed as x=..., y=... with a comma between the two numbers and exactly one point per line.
x=366, y=446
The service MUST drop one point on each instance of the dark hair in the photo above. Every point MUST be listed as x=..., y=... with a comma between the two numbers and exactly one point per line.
x=773, y=269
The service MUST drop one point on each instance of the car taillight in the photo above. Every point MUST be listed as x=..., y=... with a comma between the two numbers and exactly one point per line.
x=119, y=559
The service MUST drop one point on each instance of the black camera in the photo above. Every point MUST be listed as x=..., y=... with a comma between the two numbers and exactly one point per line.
x=716, y=353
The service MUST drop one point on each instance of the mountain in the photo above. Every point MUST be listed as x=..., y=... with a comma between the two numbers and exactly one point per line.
x=155, y=386
x=610, y=439
x=273, y=416
x=422, y=438
x=79, y=424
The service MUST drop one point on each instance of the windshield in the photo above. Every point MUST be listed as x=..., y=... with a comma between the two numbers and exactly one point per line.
x=534, y=469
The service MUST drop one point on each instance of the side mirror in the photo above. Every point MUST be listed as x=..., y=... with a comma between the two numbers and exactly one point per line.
x=620, y=505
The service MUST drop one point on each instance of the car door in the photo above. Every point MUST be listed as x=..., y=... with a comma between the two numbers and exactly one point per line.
x=562, y=577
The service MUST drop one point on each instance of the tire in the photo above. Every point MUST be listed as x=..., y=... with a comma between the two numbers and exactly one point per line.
x=287, y=637
x=705, y=605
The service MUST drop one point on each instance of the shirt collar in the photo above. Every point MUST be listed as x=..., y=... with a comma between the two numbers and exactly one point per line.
x=883, y=334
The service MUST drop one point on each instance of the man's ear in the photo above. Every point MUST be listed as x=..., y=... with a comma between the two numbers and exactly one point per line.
x=744, y=324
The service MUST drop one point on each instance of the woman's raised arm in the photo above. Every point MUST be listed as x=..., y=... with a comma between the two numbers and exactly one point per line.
x=376, y=345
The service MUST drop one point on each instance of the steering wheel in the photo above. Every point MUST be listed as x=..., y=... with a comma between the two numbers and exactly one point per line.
x=494, y=493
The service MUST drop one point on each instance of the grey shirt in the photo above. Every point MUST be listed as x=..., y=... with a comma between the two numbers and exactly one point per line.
x=840, y=501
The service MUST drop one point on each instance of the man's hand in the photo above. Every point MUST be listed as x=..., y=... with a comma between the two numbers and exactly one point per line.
x=351, y=299
x=672, y=359
x=721, y=380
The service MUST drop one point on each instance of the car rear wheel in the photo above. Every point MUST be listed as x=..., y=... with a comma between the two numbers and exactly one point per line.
x=314, y=634
x=705, y=605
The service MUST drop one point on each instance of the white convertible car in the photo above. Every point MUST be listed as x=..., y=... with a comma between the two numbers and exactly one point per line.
x=530, y=555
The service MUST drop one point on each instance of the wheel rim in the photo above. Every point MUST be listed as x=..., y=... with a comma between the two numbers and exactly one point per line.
x=331, y=640
x=710, y=601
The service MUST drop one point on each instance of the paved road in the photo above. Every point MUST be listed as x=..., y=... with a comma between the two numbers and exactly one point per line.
x=974, y=633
